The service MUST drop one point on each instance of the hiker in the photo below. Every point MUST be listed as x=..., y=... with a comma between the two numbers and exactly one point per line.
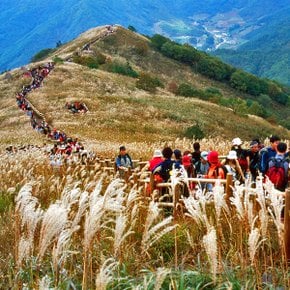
x=187, y=163
x=156, y=159
x=242, y=157
x=177, y=158
x=123, y=160
x=231, y=164
x=278, y=168
x=267, y=153
x=196, y=153
x=253, y=159
x=216, y=170
x=165, y=167
x=201, y=168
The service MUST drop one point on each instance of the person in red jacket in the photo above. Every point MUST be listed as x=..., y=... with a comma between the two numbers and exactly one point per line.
x=215, y=170
x=156, y=159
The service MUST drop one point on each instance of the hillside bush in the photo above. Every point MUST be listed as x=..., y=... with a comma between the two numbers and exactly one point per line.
x=148, y=82
x=214, y=68
x=158, y=40
x=57, y=59
x=42, y=54
x=121, y=68
x=86, y=61
x=194, y=132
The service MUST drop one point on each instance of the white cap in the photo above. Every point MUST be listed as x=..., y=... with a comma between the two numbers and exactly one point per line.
x=203, y=155
x=232, y=155
x=237, y=141
x=157, y=153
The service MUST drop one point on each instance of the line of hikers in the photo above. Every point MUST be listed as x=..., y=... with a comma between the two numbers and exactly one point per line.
x=37, y=74
x=271, y=161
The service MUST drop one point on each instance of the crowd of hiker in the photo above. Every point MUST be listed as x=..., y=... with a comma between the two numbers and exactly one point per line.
x=38, y=74
x=76, y=107
x=270, y=162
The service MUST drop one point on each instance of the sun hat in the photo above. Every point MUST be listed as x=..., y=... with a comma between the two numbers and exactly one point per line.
x=237, y=141
x=157, y=153
x=203, y=155
x=232, y=155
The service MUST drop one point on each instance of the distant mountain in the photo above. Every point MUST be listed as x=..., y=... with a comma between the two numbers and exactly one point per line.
x=28, y=26
x=267, y=53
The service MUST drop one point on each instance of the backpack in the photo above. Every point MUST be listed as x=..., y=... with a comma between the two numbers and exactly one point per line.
x=276, y=173
x=223, y=167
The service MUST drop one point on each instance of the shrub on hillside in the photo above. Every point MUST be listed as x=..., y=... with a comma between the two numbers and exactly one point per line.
x=187, y=90
x=132, y=28
x=148, y=82
x=214, y=68
x=57, y=59
x=121, y=68
x=42, y=54
x=194, y=132
x=158, y=40
x=183, y=53
x=88, y=61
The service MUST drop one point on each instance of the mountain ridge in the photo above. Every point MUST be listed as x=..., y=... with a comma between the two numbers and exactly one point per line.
x=146, y=116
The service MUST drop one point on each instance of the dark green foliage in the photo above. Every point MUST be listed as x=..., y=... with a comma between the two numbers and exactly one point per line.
x=213, y=91
x=57, y=59
x=158, y=40
x=238, y=105
x=183, y=53
x=148, y=83
x=214, y=68
x=257, y=109
x=88, y=61
x=195, y=132
x=122, y=68
x=42, y=54
x=186, y=90
x=132, y=28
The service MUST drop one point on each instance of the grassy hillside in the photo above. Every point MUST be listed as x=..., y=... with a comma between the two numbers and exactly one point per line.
x=119, y=112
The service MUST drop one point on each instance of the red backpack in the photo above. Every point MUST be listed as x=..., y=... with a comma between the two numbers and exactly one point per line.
x=276, y=173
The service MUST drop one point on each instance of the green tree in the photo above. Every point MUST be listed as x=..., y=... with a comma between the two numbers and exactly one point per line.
x=132, y=28
x=158, y=40
x=42, y=54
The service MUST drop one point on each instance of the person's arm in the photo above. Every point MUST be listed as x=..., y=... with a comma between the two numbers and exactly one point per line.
x=118, y=162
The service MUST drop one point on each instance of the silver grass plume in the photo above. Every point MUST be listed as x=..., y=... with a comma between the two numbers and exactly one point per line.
x=82, y=207
x=105, y=275
x=30, y=215
x=24, y=250
x=120, y=232
x=151, y=233
x=59, y=252
x=111, y=201
x=236, y=200
x=210, y=245
x=196, y=210
x=54, y=221
x=219, y=200
x=44, y=283
x=160, y=277
x=253, y=242
x=275, y=210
